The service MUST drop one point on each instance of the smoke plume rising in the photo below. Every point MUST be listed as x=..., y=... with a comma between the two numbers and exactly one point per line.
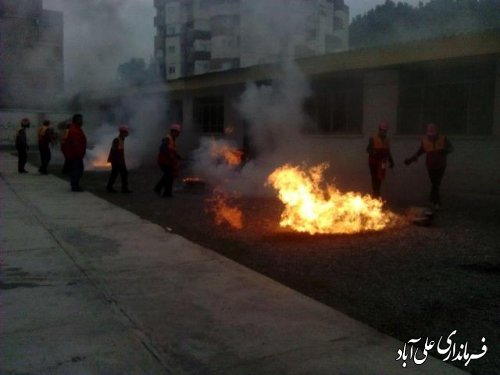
x=101, y=34
x=145, y=119
x=274, y=112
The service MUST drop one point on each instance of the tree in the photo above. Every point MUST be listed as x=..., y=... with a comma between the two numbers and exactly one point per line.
x=395, y=22
x=134, y=72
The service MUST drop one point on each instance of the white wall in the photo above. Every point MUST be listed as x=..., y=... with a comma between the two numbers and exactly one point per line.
x=10, y=122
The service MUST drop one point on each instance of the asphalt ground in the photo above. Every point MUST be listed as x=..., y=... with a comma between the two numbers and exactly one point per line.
x=408, y=282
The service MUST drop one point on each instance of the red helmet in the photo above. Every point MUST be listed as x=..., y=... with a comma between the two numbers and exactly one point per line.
x=431, y=129
x=175, y=127
x=123, y=129
x=383, y=125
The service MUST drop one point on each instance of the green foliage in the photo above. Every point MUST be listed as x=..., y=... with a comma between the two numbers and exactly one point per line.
x=135, y=72
x=395, y=22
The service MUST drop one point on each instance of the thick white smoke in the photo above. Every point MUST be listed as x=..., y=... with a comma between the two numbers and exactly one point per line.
x=145, y=119
x=101, y=34
x=274, y=113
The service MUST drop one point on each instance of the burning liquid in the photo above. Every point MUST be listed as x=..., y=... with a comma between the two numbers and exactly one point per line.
x=316, y=208
x=224, y=152
x=224, y=211
x=99, y=161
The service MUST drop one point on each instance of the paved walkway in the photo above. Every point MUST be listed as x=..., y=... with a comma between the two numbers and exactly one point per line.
x=89, y=288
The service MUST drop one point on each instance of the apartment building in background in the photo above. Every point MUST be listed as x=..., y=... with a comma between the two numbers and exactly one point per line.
x=31, y=55
x=199, y=36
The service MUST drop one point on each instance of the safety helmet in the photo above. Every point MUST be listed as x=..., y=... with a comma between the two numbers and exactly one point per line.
x=383, y=125
x=431, y=129
x=175, y=127
x=25, y=121
x=123, y=129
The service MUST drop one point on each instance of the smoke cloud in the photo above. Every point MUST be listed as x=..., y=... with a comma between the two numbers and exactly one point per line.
x=101, y=34
x=274, y=112
x=145, y=119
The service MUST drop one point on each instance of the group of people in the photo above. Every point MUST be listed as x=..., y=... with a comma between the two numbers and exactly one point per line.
x=74, y=146
x=168, y=161
x=434, y=145
x=46, y=136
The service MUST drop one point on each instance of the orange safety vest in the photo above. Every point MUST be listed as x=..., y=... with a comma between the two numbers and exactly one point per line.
x=438, y=144
x=117, y=155
x=380, y=144
x=41, y=132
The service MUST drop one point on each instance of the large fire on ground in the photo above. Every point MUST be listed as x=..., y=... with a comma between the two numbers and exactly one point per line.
x=314, y=207
x=222, y=204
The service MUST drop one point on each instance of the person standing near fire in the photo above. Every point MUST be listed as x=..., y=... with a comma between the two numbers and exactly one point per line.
x=76, y=146
x=168, y=160
x=436, y=147
x=379, y=155
x=117, y=159
x=22, y=146
x=46, y=136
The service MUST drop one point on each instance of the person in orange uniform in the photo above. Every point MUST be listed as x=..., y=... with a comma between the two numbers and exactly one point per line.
x=22, y=146
x=168, y=160
x=46, y=136
x=436, y=146
x=379, y=155
x=76, y=147
x=117, y=159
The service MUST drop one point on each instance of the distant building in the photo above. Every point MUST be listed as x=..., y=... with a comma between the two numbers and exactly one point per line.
x=199, y=36
x=31, y=55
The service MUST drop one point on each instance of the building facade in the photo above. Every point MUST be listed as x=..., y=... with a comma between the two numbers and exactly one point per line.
x=31, y=57
x=200, y=36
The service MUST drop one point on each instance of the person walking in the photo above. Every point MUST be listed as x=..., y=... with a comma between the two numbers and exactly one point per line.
x=117, y=159
x=379, y=155
x=45, y=138
x=22, y=146
x=168, y=160
x=76, y=146
x=436, y=146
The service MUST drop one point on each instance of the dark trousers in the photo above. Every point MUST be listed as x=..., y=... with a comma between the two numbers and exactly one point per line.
x=436, y=175
x=166, y=182
x=376, y=181
x=76, y=172
x=118, y=169
x=66, y=167
x=22, y=158
x=45, y=156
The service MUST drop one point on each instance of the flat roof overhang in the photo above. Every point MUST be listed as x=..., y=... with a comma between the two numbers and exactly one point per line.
x=479, y=44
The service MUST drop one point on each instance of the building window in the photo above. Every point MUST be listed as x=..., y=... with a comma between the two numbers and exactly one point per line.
x=338, y=23
x=340, y=112
x=171, y=70
x=458, y=99
x=209, y=114
x=171, y=49
x=170, y=30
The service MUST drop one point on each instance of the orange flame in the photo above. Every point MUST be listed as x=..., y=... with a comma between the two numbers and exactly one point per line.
x=232, y=156
x=316, y=210
x=101, y=161
x=224, y=211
